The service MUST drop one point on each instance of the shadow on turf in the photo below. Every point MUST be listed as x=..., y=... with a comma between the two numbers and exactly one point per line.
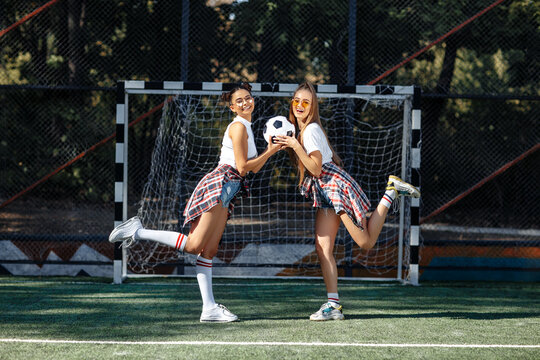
x=450, y=315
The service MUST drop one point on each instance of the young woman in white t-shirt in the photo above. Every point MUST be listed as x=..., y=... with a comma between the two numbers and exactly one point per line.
x=336, y=195
x=219, y=187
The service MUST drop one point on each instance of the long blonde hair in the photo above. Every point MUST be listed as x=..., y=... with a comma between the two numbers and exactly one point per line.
x=313, y=117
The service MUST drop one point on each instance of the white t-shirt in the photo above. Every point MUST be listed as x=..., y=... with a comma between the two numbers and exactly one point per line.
x=227, y=152
x=314, y=139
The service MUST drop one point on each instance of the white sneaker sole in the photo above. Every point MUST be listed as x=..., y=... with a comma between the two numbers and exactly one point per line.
x=220, y=314
x=329, y=318
x=217, y=320
x=401, y=185
x=334, y=315
x=125, y=230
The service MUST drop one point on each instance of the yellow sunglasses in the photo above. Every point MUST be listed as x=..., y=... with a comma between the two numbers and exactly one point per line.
x=303, y=103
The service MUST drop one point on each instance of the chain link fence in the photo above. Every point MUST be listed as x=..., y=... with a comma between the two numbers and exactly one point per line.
x=477, y=62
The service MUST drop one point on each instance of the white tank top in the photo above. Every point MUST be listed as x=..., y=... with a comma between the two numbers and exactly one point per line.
x=227, y=153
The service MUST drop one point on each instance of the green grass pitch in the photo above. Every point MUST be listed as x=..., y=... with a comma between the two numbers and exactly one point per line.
x=72, y=318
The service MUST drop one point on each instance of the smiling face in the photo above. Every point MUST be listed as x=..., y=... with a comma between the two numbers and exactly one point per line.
x=301, y=106
x=242, y=103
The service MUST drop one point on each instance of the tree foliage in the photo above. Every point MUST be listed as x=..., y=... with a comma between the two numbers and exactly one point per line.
x=81, y=43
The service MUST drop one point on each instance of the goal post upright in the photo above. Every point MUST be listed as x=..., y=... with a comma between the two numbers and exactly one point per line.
x=410, y=149
x=120, y=178
x=416, y=142
x=404, y=165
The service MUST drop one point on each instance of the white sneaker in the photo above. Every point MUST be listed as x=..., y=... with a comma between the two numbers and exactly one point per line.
x=401, y=187
x=218, y=314
x=328, y=311
x=125, y=232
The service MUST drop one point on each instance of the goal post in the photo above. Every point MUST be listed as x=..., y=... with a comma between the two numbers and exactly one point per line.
x=376, y=130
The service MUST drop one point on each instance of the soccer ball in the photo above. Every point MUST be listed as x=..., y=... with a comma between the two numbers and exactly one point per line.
x=278, y=125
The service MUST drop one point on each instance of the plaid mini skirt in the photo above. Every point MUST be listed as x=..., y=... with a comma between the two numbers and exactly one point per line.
x=223, y=183
x=340, y=189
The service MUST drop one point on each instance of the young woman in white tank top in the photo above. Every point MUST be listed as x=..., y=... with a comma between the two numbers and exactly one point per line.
x=212, y=201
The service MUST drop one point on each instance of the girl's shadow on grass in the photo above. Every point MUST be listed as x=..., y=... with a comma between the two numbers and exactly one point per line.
x=449, y=315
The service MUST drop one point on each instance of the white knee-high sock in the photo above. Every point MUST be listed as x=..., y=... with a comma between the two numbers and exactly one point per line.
x=169, y=238
x=388, y=197
x=204, y=278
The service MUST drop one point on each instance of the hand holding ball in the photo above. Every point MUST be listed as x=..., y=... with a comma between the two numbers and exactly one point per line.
x=278, y=125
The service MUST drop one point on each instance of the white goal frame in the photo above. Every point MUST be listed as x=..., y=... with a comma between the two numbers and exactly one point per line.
x=411, y=135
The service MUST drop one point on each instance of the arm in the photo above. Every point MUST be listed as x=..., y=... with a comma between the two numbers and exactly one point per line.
x=239, y=137
x=312, y=161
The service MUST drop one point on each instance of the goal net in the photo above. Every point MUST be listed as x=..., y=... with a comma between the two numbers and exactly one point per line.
x=271, y=232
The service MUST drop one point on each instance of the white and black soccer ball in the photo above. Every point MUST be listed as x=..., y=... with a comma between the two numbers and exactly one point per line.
x=278, y=125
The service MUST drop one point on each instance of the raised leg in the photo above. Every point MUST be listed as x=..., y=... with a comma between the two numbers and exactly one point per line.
x=206, y=231
x=372, y=228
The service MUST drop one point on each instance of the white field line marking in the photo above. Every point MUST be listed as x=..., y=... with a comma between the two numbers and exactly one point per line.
x=263, y=343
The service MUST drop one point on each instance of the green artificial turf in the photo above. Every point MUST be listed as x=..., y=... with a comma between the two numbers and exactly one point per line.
x=159, y=319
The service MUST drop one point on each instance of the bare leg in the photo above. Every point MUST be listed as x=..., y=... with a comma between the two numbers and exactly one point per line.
x=326, y=227
x=206, y=229
x=366, y=239
x=205, y=232
x=214, y=237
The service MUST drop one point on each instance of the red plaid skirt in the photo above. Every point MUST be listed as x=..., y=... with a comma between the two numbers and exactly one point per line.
x=207, y=194
x=341, y=189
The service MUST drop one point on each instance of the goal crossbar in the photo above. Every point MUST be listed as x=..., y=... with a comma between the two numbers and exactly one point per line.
x=262, y=89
